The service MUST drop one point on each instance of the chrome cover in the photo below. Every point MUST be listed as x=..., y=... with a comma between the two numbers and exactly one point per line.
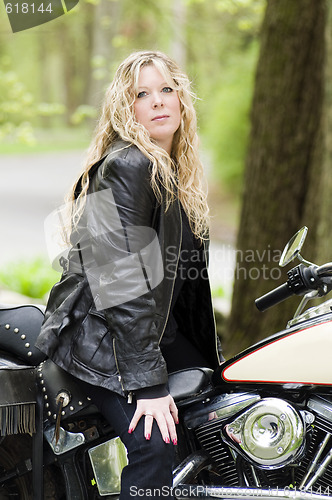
x=271, y=433
x=107, y=460
x=312, y=312
x=220, y=407
x=321, y=406
x=187, y=491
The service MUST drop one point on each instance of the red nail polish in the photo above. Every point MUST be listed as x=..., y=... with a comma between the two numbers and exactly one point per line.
x=130, y=430
x=175, y=442
x=167, y=440
x=147, y=437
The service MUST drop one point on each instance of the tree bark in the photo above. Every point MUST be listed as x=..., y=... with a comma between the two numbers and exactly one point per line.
x=323, y=250
x=283, y=167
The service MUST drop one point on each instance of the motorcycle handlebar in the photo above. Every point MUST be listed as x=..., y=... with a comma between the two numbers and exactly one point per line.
x=273, y=297
x=301, y=279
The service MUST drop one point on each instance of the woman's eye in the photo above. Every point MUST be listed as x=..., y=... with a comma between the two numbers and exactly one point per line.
x=141, y=94
x=167, y=89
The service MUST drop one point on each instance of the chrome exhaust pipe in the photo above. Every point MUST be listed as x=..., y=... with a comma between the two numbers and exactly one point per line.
x=185, y=491
x=189, y=468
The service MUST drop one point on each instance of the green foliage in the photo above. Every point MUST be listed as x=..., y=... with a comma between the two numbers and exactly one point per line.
x=217, y=40
x=218, y=292
x=32, y=278
x=81, y=113
x=226, y=118
x=18, y=107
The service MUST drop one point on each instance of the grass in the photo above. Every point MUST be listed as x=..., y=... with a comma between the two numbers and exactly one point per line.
x=49, y=140
x=32, y=278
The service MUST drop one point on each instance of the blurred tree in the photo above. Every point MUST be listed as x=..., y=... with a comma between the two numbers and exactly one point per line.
x=323, y=228
x=178, y=49
x=106, y=17
x=284, y=165
x=73, y=56
x=223, y=68
x=71, y=59
x=18, y=108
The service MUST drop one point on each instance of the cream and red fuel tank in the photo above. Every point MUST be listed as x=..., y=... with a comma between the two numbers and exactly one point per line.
x=297, y=356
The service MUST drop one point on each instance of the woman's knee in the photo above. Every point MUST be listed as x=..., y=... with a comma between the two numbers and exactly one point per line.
x=153, y=450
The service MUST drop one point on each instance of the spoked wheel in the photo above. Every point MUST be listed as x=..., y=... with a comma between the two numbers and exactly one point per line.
x=11, y=454
x=14, y=450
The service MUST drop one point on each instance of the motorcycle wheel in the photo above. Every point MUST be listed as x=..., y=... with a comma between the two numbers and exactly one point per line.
x=14, y=450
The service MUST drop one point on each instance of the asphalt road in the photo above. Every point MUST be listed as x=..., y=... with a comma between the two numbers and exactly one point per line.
x=31, y=187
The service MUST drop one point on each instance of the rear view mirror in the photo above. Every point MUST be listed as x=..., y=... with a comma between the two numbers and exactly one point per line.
x=293, y=247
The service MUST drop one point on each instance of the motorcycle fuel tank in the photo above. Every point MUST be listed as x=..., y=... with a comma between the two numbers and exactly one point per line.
x=290, y=357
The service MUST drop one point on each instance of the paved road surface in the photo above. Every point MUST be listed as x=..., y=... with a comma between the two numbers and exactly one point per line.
x=31, y=186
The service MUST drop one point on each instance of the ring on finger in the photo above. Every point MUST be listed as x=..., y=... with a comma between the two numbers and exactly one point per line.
x=148, y=414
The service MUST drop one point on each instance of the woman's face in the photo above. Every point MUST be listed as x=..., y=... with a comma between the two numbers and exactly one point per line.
x=157, y=107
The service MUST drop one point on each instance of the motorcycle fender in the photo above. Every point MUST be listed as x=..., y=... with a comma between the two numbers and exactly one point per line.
x=300, y=357
x=17, y=397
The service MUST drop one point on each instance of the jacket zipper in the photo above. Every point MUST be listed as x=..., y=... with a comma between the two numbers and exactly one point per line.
x=177, y=262
x=117, y=367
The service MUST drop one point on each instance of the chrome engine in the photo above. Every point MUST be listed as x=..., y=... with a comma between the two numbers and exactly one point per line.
x=266, y=443
x=270, y=433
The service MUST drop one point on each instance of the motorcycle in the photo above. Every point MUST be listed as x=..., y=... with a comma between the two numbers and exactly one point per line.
x=260, y=425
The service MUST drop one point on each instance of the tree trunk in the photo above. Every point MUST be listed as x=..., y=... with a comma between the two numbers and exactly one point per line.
x=69, y=73
x=283, y=167
x=323, y=249
x=178, y=49
x=106, y=17
x=45, y=87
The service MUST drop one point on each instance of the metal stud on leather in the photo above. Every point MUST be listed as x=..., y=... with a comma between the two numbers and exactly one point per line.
x=19, y=329
x=57, y=384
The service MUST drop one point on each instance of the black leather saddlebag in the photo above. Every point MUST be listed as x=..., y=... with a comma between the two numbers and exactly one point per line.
x=17, y=396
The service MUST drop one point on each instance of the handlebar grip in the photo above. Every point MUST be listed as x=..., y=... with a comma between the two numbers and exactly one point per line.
x=274, y=297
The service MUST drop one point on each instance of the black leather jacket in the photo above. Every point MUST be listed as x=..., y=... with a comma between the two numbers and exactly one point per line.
x=95, y=327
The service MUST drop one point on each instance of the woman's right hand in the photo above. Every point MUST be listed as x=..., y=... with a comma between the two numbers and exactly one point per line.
x=163, y=411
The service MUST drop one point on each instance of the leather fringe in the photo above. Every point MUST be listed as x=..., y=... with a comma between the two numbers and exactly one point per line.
x=18, y=419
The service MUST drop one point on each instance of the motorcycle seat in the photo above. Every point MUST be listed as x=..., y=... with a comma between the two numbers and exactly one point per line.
x=19, y=329
x=189, y=383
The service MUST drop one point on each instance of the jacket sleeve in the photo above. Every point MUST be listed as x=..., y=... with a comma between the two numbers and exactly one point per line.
x=127, y=266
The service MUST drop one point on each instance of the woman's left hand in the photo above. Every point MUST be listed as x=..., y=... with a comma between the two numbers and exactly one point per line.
x=163, y=411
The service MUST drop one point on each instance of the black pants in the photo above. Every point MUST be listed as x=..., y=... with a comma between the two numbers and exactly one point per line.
x=149, y=462
x=149, y=471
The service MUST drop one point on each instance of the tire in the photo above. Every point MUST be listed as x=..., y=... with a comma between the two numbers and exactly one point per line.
x=13, y=451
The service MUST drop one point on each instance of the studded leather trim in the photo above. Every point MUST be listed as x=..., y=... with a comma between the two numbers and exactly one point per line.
x=56, y=384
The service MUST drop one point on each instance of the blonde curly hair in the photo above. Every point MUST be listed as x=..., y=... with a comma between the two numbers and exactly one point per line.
x=181, y=172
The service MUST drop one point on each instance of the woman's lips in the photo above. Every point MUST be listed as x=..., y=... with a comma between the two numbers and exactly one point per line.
x=160, y=118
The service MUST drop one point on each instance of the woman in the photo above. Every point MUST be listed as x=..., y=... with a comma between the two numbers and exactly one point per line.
x=134, y=301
